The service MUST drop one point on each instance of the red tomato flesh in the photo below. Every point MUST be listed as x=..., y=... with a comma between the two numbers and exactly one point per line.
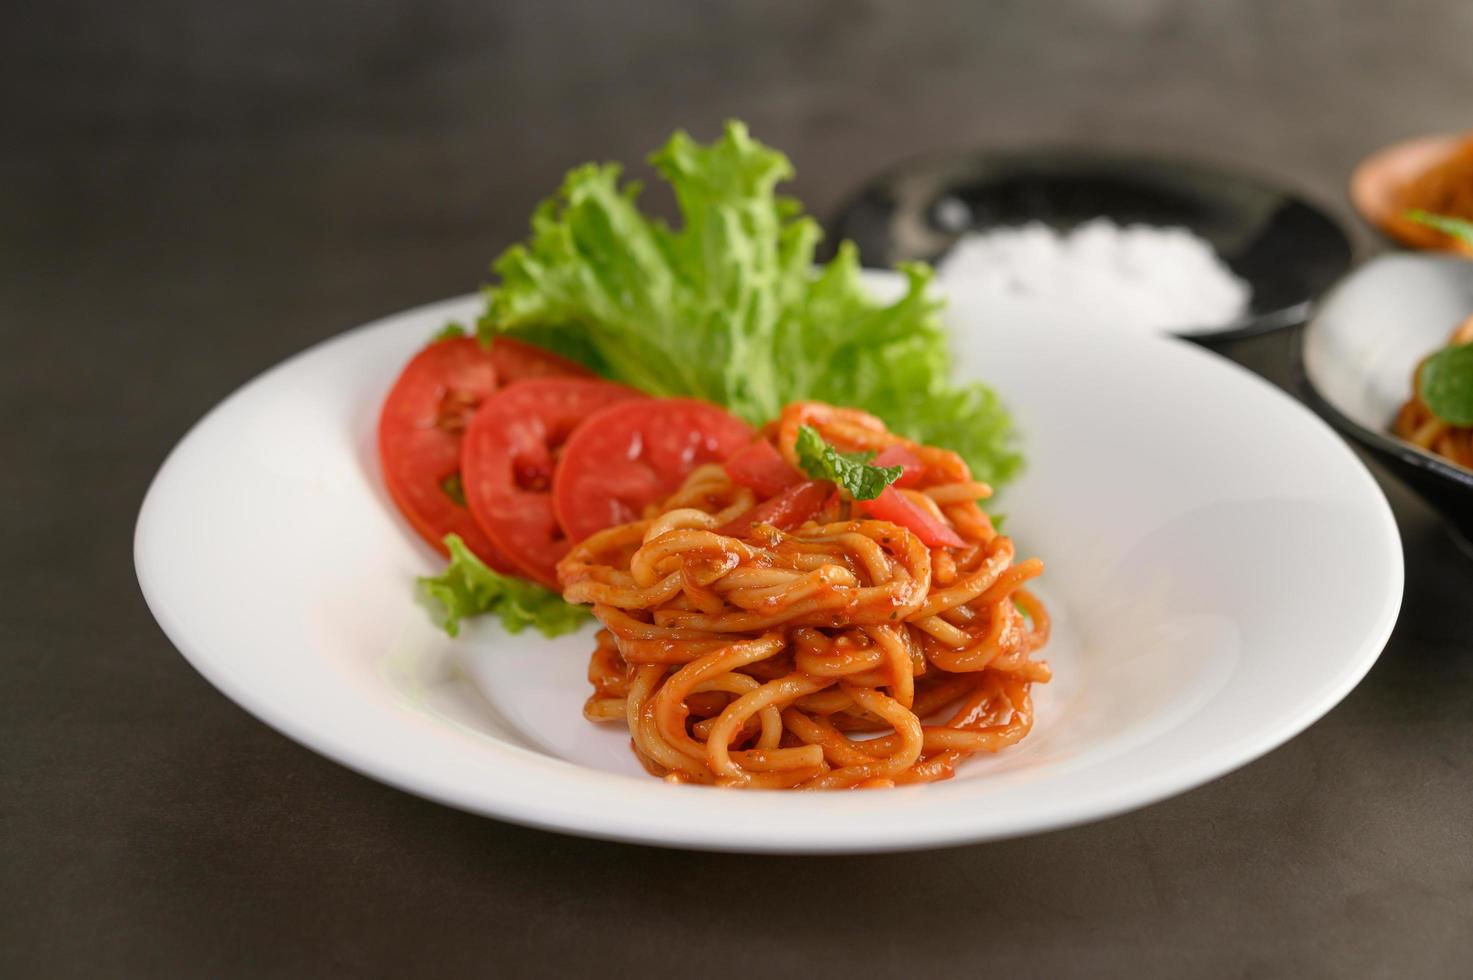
x=631, y=454
x=786, y=511
x=762, y=468
x=508, y=459
x=909, y=462
x=891, y=505
x=419, y=434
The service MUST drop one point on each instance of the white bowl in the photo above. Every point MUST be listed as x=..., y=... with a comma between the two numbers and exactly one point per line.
x=1222, y=568
x=1359, y=353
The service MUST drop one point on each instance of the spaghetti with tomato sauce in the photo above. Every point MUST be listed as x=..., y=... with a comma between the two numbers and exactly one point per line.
x=1418, y=424
x=765, y=630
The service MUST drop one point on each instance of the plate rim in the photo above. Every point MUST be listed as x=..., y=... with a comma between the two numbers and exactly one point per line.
x=1225, y=758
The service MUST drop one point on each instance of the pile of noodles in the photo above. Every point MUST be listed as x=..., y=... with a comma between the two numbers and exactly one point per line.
x=839, y=653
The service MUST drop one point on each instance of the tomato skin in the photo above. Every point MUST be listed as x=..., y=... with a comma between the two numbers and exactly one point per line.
x=631, y=454
x=517, y=360
x=909, y=462
x=762, y=468
x=509, y=457
x=786, y=511
x=891, y=505
x=419, y=435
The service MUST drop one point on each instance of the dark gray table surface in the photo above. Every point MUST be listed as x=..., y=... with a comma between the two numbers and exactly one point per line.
x=190, y=192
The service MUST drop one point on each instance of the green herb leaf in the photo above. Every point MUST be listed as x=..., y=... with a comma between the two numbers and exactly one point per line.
x=1446, y=384
x=469, y=588
x=449, y=331
x=729, y=305
x=849, y=470
x=454, y=488
x=1456, y=227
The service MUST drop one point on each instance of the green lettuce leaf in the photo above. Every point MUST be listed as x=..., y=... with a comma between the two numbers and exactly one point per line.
x=852, y=471
x=469, y=588
x=450, y=331
x=729, y=305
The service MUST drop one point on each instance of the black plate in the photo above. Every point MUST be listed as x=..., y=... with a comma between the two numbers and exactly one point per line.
x=1287, y=249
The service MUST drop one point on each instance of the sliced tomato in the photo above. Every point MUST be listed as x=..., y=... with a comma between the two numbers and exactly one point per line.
x=419, y=434
x=517, y=360
x=761, y=467
x=786, y=511
x=898, y=455
x=508, y=459
x=632, y=454
x=891, y=505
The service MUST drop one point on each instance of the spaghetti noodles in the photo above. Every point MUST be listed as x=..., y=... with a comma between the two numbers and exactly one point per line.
x=1416, y=424
x=841, y=652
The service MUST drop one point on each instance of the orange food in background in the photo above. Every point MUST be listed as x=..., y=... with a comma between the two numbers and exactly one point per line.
x=1443, y=189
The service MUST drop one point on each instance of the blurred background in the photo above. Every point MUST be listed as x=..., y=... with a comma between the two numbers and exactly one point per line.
x=318, y=163
x=192, y=191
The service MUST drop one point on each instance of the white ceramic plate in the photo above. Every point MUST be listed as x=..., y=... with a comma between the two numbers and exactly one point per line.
x=1221, y=567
